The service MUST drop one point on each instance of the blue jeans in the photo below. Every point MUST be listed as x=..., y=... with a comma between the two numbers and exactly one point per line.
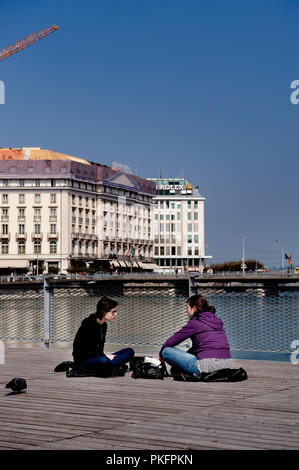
x=102, y=364
x=182, y=359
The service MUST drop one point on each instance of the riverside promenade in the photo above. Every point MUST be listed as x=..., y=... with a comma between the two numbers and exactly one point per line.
x=59, y=413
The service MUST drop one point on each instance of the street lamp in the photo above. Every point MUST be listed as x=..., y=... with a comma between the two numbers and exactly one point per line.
x=243, y=253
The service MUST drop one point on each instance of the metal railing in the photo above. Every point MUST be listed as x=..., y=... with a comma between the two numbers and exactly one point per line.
x=151, y=308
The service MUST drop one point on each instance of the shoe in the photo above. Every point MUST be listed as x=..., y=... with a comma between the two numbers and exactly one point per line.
x=76, y=373
x=64, y=366
x=175, y=370
x=119, y=371
x=184, y=377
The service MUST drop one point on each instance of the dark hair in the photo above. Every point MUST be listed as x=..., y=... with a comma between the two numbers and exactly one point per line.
x=201, y=304
x=105, y=305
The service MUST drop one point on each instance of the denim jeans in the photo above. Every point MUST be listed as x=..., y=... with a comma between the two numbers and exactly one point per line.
x=182, y=359
x=103, y=364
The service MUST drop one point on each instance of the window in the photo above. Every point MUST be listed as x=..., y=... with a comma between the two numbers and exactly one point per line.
x=37, y=248
x=53, y=183
x=37, y=198
x=22, y=183
x=195, y=238
x=53, y=229
x=179, y=251
x=5, y=214
x=195, y=204
x=53, y=198
x=189, y=238
x=4, y=248
x=172, y=216
x=21, y=214
x=37, y=229
x=189, y=204
x=189, y=251
x=196, y=251
x=167, y=204
x=21, y=248
x=73, y=247
x=21, y=229
x=4, y=198
x=161, y=227
x=178, y=205
x=79, y=248
x=37, y=183
x=161, y=204
x=5, y=229
x=161, y=250
x=167, y=250
x=37, y=216
x=178, y=216
x=5, y=182
x=53, y=214
x=173, y=205
x=189, y=227
x=195, y=215
x=189, y=216
x=21, y=198
x=173, y=250
x=156, y=251
x=161, y=217
x=53, y=247
x=156, y=216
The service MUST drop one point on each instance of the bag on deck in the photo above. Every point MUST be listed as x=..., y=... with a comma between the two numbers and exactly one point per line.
x=221, y=375
x=145, y=367
x=224, y=375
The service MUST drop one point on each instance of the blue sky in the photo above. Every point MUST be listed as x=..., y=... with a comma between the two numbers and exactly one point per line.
x=178, y=86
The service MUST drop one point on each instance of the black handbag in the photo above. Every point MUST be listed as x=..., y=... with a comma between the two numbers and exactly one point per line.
x=146, y=370
x=221, y=375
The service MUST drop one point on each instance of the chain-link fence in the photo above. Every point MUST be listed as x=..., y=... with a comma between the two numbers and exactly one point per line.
x=149, y=311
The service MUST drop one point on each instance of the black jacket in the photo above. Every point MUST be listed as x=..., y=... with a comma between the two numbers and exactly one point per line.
x=89, y=340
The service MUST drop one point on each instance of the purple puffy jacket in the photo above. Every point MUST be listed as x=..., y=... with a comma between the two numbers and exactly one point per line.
x=208, y=337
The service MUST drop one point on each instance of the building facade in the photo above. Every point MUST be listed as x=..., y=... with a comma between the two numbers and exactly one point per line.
x=179, y=237
x=59, y=211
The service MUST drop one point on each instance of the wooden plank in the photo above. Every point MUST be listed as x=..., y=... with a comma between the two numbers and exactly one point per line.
x=122, y=413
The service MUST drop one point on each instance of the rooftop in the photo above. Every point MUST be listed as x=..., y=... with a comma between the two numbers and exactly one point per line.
x=36, y=153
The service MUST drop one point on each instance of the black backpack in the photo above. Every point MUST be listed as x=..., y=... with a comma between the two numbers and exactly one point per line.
x=146, y=370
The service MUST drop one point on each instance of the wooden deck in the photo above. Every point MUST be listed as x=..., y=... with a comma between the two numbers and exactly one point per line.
x=59, y=413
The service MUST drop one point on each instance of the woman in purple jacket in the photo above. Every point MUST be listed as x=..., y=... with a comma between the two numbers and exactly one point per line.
x=210, y=348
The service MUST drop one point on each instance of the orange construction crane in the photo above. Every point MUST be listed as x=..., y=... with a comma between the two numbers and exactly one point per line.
x=30, y=39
